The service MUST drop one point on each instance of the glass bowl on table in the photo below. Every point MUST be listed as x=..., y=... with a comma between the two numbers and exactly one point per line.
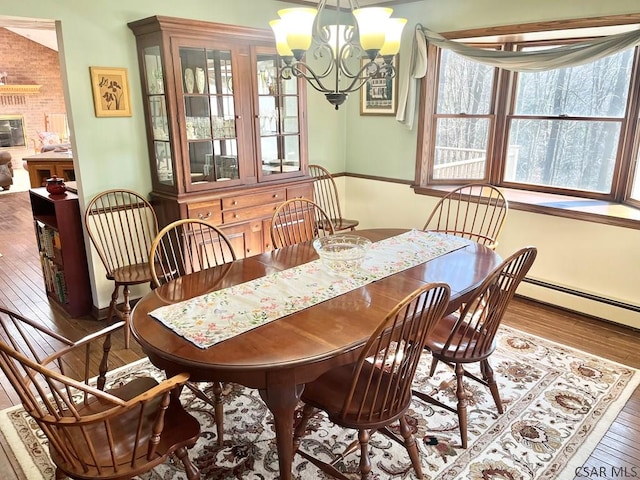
x=342, y=253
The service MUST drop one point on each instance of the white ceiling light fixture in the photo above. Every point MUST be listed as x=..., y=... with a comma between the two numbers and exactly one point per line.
x=339, y=44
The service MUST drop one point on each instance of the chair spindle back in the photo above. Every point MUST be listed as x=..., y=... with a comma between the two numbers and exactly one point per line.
x=381, y=387
x=187, y=246
x=476, y=212
x=474, y=332
x=122, y=225
x=299, y=220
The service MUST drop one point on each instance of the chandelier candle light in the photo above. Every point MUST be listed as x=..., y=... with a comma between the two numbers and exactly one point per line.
x=371, y=34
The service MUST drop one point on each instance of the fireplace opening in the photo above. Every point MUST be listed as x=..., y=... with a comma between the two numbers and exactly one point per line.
x=12, y=131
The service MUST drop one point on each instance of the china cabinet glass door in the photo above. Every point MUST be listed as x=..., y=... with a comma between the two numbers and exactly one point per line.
x=157, y=104
x=210, y=116
x=278, y=107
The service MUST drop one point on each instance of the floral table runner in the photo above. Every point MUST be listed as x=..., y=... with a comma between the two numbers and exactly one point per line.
x=216, y=316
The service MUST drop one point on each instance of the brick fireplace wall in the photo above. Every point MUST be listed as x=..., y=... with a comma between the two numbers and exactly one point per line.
x=29, y=63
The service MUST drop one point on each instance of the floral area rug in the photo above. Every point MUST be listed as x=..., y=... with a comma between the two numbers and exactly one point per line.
x=558, y=403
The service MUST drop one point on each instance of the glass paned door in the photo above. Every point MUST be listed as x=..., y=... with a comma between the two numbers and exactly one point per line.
x=278, y=107
x=157, y=104
x=210, y=118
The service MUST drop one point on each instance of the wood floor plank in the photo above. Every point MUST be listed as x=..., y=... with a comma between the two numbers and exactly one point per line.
x=614, y=452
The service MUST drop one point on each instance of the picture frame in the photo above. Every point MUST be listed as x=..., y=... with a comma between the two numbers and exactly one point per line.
x=379, y=96
x=110, y=86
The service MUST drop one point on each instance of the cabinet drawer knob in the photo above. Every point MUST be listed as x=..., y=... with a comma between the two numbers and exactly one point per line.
x=204, y=217
x=275, y=195
x=235, y=215
x=235, y=202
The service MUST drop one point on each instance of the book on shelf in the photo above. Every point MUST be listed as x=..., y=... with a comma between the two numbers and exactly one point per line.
x=48, y=239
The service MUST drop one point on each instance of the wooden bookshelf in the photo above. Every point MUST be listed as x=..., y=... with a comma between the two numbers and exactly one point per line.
x=58, y=228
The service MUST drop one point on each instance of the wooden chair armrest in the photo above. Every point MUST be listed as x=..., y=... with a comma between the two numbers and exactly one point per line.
x=99, y=334
x=37, y=326
x=84, y=341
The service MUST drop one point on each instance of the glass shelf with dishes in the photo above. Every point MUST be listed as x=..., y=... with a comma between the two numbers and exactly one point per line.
x=210, y=120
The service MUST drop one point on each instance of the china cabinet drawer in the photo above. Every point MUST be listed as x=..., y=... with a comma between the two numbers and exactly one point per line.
x=250, y=213
x=208, y=211
x=242, y=201
x=300, y=191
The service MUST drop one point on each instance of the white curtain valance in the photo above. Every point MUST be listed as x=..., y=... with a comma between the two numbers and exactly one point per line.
x=532, y=61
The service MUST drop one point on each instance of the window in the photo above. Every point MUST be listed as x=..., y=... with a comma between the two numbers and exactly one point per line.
x=568, y=131
x=463, y=119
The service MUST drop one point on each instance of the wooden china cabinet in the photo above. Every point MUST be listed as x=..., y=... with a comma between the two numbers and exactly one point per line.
x=227, y=136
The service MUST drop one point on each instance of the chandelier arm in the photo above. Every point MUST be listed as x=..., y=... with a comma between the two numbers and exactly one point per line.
x=359, y=81
x=355, y=85
x=303, y=70
x=344, y=69
x=314, y=80
x=347, y=52
x=317, y=54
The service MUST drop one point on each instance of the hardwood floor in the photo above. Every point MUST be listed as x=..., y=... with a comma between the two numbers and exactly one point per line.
x=22, y=290
x=22, y=286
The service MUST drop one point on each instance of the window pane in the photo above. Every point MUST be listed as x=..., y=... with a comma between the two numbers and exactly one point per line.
x=464, y=85
x=562, y=153
x=597, y=89
x=461, y=148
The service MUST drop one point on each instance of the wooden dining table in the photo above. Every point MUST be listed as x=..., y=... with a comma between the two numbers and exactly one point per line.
x=280, y=357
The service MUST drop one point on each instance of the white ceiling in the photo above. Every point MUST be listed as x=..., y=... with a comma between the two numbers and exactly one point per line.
x=35, y=29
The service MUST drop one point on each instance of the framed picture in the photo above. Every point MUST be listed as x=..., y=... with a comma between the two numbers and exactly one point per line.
x=110, y=91
x=379, y=96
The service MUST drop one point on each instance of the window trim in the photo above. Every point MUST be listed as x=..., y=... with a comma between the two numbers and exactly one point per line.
x=571, y=29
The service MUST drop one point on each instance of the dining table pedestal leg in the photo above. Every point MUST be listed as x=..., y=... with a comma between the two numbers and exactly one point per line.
x=281, y=397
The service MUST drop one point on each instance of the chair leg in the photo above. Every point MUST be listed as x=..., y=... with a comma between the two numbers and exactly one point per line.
x=189, y=468
x=60, y=475
x=216, y=403
x=434, y=364
x=462, y=404
x=365, y=461
x=487, y=374
x=104, y=363
x=218, y=410
x=113, y=304
x=307, y=413
x=411, y=446
x=123, y=314
x=126, y=316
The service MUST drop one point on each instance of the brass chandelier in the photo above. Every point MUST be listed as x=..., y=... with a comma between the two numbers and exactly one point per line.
x=353, y=34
